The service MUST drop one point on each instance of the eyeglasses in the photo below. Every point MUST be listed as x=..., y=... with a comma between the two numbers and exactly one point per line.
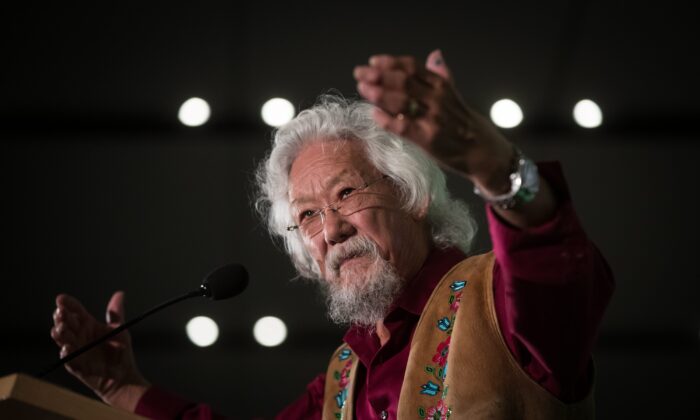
x=352, y=200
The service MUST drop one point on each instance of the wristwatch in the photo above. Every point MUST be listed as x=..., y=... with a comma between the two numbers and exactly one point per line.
x=524, y=185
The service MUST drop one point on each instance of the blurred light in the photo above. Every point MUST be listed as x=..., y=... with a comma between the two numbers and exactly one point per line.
x=277, y=112
x=505, y=113
x=270, y=331
x=194, y=112
x=588, y=114
x=202, y=331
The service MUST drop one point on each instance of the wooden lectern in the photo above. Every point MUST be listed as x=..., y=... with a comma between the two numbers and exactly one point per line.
x=23, y=397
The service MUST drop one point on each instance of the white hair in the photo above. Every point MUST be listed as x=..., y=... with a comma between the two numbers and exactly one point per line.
x=417, y=177
x=360, y=296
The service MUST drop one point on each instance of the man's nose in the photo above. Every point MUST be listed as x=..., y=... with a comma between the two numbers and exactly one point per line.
x=336, y=227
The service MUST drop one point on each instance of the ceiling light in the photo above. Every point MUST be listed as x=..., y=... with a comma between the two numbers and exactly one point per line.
x=505, y=113
x=587, y=114
x=270, y=331
x=194, y=112
x=277, y=112
x=202, y=331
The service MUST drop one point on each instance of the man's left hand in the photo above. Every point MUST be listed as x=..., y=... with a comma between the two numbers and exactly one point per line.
x=421, y=104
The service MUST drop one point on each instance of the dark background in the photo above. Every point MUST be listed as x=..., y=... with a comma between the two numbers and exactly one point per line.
x=103, y=189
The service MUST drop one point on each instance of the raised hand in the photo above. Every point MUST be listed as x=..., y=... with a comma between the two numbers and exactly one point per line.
x=420, y=103
x=110, y=368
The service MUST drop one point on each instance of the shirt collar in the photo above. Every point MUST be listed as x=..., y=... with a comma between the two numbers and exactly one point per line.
x=410, y=302
x=418, y=290
x=421, y=286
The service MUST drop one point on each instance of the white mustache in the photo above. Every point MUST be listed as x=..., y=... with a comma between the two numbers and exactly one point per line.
x=353, y=247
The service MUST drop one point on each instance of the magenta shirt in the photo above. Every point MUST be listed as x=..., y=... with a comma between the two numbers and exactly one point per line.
x=551, y=287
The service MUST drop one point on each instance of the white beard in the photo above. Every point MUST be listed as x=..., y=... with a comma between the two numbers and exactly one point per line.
x=352, y=299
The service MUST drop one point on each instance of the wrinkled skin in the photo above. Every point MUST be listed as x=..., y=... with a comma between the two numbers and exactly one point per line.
x=459, y=138
x=110, y=368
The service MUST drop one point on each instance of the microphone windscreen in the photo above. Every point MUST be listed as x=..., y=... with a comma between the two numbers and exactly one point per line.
x=225, y=282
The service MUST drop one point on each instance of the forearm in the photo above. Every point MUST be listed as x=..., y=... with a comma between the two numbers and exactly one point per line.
x=551, y=287
x=495, y=181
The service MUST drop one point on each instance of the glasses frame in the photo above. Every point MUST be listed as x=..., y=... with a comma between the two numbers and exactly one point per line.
x=334, y=205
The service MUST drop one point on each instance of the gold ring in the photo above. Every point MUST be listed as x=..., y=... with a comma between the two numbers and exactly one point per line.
x=400, y=116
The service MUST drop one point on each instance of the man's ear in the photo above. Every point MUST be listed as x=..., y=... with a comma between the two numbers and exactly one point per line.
x=422, y=212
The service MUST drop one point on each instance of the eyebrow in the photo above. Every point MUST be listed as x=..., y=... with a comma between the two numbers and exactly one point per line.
x=328, y=185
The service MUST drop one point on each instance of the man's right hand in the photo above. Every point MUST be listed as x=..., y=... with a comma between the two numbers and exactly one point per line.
x=110, y=368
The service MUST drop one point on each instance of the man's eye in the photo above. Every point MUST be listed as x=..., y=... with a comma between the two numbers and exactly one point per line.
x=346, y=192
x=304, y=214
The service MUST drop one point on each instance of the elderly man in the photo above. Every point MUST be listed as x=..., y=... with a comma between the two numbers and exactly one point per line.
x=354, y=191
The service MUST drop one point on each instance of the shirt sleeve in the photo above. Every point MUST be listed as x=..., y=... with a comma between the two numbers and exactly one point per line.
x=551, y=287
x=159, y=404
x=309, y=405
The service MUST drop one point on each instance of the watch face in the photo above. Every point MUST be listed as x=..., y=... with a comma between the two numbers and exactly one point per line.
x=530, y=175
x=525, y=183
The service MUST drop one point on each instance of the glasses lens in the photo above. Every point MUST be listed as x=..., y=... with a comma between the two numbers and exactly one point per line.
x=311, y=225
x=356, y=202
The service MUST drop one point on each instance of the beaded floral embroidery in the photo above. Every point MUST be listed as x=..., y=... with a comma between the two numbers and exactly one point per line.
x=343, y=378
x=437, y=370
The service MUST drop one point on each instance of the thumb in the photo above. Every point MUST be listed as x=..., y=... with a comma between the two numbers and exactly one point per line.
x=115, y=309
x=436, y=64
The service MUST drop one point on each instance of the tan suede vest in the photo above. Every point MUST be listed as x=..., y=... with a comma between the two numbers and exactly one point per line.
x=459, y=367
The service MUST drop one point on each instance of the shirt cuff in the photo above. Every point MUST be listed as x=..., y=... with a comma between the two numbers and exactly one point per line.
x=158, y=403
x=543, y=252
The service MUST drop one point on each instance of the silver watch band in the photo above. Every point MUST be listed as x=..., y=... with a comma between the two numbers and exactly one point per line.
x=524, y=185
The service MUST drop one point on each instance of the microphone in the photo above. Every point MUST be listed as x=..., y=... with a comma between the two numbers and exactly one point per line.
x=222, y=283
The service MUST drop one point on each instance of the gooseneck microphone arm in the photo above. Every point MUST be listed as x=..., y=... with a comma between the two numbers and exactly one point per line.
x=224, y=282
x=116, y=331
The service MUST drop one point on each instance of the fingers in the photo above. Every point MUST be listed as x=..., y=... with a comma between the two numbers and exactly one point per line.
x=74, y=327
x=398, y=85
x=65, y=351
x=66, y=328
x=69, y=319
x=115, y=308
x=395, y=100
x=70, y=303
x=390, y=122
x=387, y=62
x=391, y=78
x=367, y=74
x=394, y=79
x=72, y=322
x=436, y=63
x=391, y=101
x=383, y=66
x=63, y=334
